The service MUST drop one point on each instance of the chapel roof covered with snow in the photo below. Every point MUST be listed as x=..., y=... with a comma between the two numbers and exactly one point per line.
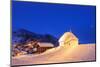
x=67, y=36
x=45, y=44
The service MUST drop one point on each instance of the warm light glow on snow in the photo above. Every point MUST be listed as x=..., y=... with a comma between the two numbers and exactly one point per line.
x=84, y=52
x=68, y=51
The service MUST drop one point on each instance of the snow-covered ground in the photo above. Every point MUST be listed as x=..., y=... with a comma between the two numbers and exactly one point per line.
x=66, y=53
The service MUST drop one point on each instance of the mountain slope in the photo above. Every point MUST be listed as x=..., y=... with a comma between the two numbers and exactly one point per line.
x=22, y=36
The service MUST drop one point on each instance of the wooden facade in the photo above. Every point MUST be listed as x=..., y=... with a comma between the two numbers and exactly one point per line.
x=42, y=49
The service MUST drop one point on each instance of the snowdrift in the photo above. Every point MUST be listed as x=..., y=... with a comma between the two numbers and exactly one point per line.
x=82, y=52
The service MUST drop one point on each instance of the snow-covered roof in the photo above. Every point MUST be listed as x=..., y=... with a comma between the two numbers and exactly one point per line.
x=45, y=44
x=67, y=36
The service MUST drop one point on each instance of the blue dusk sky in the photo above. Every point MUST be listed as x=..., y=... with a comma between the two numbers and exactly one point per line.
x=55, y=19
